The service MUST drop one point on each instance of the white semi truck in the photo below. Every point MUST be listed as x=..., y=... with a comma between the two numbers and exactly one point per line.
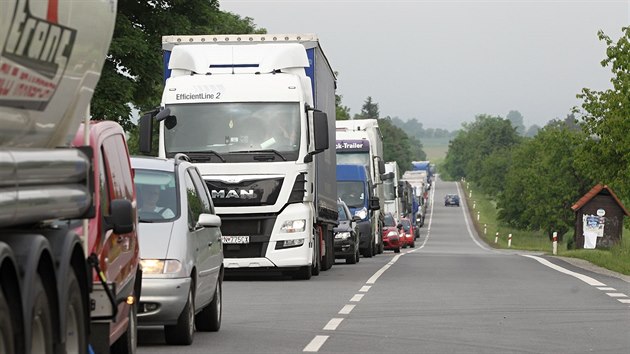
x=53, y=226
x=365, y=130
x=256, y=114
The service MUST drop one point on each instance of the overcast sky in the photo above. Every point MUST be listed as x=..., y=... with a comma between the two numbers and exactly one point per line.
x=443, y=62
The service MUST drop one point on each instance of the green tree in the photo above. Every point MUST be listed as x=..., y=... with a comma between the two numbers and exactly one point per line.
x=369, y=110
x=544, y=180
x=398, y=146
x=132, y=74
x=606, y=120
x=516, y=118
x=342, y=112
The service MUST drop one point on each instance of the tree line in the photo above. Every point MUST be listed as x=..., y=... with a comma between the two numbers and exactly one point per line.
x=536, y=179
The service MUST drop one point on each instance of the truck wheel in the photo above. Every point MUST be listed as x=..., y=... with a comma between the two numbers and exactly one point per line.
x=41, y=320
x=317, y=255
x=326, y=262
x=182, y=332
x=304, y=273
x=75, y=331
x=6, y=329
x=209, y=319
x=128, y=342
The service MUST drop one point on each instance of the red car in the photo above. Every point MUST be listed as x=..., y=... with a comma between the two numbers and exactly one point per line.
x=407, y=233
x=391, y=238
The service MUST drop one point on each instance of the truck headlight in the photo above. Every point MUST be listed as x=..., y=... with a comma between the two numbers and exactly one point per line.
x=160, y=266
x=342, y=235
x=362, y=213
x=293, y=226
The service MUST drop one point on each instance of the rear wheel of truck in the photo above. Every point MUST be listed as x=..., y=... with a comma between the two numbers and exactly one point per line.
x=209, y=319
x=182, y=332
x=317, y=254
x=75, y=331
x=6, y=329
x=128, y=342
x=41, y=320
x=328, y=259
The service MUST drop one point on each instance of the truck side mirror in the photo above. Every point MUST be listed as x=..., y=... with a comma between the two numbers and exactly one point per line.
x=320, y=132
x=381, y=166
x=387, y=176
x=145, y=128
x=375, y=203
x=121, y=216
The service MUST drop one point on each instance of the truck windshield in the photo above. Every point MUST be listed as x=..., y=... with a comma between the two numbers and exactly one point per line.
x=351, y=192
x=354, y=158
x=235, y=127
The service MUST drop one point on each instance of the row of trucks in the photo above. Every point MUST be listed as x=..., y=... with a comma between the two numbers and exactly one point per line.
x=69, y=260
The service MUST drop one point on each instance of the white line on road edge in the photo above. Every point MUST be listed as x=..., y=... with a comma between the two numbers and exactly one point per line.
x=606, y=288
x=333, y=324
x=357, y=297
x=346, y=309
x=431, y=203
x=315, y=344
x=616, y=295
x=588, y=280
x=366, y=288
x=465, y=212
x=624, y=301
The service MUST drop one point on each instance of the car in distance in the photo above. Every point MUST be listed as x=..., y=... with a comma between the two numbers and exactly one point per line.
x=180, y=249
x=346, y=234
x=451, y=199
x=391, y=233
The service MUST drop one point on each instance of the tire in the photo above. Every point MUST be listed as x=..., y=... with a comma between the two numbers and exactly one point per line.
x=7, y=344
x=397, y=250
x=304, y=273
x=315, y=267
x=413, y=244
x=75, y=331
x=351, y=259
x=182, y=333
x=128, y=342
x=329, y=258
x=209, y=319
x=357, y=256
x=41, y=320
x=370, y=251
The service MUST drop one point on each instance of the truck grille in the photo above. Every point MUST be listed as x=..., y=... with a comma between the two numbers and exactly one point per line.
x=256, y=192
x=257, y=227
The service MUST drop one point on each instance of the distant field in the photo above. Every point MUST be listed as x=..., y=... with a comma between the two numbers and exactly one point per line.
x=435, y=148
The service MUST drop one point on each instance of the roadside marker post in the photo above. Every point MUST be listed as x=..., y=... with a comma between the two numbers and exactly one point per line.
x=555, y=243
x=477, y=216
x=496, y=238
x=485, y=229
x=509, y=240
x=474, y=204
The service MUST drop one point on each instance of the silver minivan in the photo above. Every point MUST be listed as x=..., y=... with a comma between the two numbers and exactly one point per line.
x=180, y=249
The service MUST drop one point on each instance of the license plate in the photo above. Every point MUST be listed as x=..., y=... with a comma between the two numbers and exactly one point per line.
x=235, y=239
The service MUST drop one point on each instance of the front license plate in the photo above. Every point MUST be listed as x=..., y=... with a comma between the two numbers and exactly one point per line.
x=235, y=239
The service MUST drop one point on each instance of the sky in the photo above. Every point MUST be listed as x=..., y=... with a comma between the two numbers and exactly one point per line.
x=443, y=62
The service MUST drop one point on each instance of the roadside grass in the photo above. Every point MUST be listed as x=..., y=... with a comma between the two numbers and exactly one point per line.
x=616, y=259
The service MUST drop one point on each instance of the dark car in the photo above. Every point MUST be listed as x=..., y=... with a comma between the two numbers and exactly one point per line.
x=346, y=234
x=451, y=199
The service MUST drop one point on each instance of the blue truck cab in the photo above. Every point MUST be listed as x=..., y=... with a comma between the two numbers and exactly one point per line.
x=354, y=187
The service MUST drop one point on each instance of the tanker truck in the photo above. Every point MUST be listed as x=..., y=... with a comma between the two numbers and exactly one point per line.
x=63, y=240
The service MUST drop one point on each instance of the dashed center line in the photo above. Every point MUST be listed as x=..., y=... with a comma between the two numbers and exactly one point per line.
x=365, y=289
x=315, y=344
x=346, y=309
x=606, y=288
x=357, y=297
x=624, y=301
x=333, y=324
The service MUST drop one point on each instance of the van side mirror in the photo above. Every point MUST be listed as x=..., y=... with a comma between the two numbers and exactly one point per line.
x=121, y=217
x=375, y=203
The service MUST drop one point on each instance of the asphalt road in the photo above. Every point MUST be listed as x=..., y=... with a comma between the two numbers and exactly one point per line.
x=450, y=294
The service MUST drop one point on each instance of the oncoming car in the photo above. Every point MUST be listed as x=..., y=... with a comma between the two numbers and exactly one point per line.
x=451, y=199
x=180, y=249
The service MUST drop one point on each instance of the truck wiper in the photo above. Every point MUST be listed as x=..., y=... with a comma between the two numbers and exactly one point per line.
x=199, y=156
x=276, y=152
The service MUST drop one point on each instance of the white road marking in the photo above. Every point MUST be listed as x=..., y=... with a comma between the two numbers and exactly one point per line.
x=624, y=301
x=588, y=280
x=357, y=297
x=616, y=295
x=346, y=309
x=465, y=212
x=606, y=288
x=365, y=289
x=333, y=324
x=378, y=273
x=315, y=344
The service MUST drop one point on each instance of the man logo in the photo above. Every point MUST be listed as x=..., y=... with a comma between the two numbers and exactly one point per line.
x=233, y=194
